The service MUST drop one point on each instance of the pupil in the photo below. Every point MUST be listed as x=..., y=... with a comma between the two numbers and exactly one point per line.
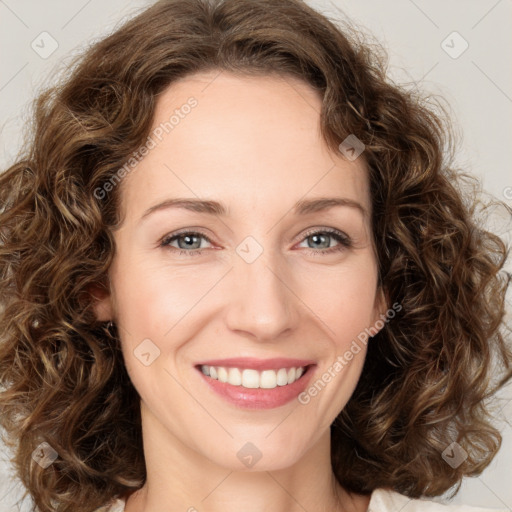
x=318, y=237
x=189, y=240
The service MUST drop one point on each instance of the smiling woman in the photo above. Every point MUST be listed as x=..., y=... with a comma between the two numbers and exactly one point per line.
x=236, y=269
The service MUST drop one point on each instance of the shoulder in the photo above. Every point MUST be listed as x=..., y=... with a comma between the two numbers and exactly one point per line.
x=113, y=506
x=384, y=500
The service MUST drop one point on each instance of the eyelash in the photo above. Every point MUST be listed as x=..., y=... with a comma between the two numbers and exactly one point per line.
x=343, y=240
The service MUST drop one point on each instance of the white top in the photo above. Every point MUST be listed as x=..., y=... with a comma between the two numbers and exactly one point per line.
x=381, y=500
x=389, y=501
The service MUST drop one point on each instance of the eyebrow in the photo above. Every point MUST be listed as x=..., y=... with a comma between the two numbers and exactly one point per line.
x=302, y=207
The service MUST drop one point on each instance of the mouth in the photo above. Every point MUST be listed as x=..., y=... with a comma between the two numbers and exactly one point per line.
x=253, y=379
x=257, y=384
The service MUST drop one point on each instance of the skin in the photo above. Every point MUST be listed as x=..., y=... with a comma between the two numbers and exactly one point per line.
x=254, y=144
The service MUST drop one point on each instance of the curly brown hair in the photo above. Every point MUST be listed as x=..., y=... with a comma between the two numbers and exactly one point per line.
x=431, y=370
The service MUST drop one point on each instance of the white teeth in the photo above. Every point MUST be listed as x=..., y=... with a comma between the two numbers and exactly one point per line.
x=268, y=379
x=282, y=377
x=222, y=374
x=249, y=378
x=235, y=377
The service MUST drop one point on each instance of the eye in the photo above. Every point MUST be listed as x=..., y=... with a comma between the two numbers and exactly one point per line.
x=321, y=243
x=190, y=242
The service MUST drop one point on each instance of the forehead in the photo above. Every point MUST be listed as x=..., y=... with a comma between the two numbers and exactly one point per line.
x=255, y=139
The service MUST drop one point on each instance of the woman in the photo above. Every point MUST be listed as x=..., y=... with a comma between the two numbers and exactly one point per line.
x=238, y=274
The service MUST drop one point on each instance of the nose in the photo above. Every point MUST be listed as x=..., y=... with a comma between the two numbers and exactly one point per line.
x=262, y=304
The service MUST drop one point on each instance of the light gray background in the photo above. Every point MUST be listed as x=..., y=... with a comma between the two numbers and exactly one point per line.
x=476, y=84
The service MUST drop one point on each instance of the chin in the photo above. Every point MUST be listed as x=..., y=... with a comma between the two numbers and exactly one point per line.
x=258, y=456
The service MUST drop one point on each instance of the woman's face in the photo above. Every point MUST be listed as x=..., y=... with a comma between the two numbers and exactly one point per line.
x=264, y=287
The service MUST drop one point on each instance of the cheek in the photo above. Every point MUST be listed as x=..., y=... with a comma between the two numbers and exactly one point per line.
x=152, y=296
x=343, y=298
x=165, y=306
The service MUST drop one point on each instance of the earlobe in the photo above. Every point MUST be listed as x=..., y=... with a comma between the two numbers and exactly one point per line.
x=102, y=302
x=384, y=301
x=381, y=308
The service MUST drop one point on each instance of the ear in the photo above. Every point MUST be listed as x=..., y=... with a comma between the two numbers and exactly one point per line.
x=103, y=307
x=380, y=309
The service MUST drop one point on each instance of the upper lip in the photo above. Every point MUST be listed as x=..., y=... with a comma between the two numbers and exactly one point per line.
x=258, y=364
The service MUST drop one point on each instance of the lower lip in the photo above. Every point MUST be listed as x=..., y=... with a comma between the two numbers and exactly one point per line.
x=259, y=398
